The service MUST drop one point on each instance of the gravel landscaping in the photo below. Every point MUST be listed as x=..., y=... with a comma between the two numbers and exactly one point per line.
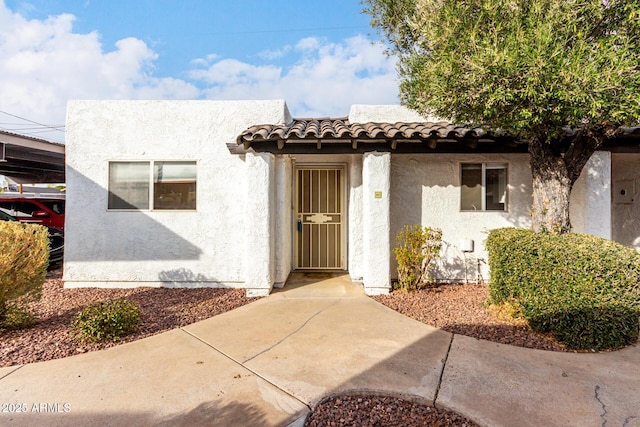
x=161, y=309
x=459, y=308
x=377, y=411
x=455, y=308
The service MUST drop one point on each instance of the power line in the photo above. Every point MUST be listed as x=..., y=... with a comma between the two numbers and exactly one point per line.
x=289, y=30
x=17, y=126
x=58, y=128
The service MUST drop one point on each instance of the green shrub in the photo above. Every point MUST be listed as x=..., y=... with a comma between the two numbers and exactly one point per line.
x=416, y=249
x=584, y=290
x=106, y=320
x=24, y=257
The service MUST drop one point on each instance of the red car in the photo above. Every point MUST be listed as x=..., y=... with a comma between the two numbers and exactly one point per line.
x=45, y=211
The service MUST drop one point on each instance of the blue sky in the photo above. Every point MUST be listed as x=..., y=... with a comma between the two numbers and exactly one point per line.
x=319, y=56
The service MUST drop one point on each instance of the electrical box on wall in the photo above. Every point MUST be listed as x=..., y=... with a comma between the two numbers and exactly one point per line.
x=624, y=191
x=466, y=245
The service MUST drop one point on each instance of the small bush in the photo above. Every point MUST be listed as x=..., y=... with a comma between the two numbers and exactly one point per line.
x=106, y=320
x=24, y=257
x=584, y=290
x=416, y=249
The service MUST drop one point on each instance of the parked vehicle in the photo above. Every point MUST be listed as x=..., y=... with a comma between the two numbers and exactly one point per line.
x=42, y=210
x=56, y=241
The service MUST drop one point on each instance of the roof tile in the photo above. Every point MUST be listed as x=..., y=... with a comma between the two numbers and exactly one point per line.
x=343, y=129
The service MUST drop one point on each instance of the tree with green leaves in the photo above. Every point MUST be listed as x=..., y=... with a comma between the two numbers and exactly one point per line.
x=560, y=75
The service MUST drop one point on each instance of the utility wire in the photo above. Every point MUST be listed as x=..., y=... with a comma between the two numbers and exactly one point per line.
x=288, y=30
x=58, y=128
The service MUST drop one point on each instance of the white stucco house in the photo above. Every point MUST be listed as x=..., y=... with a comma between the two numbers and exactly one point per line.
x=239, y=194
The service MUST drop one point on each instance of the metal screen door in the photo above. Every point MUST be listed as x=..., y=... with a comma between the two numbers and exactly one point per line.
x=319, y=218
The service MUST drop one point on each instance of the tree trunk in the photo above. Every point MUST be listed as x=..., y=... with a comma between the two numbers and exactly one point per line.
x=551, y=190
x=554, y=175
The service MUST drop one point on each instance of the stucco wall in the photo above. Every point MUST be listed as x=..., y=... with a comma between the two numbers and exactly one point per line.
x=590, y=203
x=376, y=183
x=626, y=207
x=206, y=246
x=425, y=189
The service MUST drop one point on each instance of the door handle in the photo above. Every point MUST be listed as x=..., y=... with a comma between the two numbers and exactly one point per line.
x=300, y=226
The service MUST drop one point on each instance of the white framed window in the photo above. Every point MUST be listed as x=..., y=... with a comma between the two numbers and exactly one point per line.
x=483, y=186
x=152, y=185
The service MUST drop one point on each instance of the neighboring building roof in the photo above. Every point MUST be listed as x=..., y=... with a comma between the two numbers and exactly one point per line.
x=31, y=160
x=339, y=135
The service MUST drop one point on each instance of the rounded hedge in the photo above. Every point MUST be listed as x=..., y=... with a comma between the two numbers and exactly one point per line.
x=583, y=289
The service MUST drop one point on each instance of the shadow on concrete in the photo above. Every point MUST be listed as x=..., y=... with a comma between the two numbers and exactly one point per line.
x=216, y=414
x=206, y=414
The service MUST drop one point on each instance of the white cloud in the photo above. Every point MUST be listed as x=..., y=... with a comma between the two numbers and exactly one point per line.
x=272, y=54
x=232, y=73
x=308, y=44
x=44, y=64
x=204, y=62
x=326, y=79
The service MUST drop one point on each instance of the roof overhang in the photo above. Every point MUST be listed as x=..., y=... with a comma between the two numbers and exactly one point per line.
x=339, y=136
x=31, y=160
x=310, y=136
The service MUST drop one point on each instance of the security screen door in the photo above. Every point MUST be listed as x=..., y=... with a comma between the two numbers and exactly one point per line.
x=320, y=218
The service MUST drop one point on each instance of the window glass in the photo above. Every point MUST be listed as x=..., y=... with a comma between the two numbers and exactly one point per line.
x=174, y=185
x=496, y=188
x=25, y=209
x=129, y=185
x=56, y=206
x=483, y=186
x=471, y=187
x=7, y=207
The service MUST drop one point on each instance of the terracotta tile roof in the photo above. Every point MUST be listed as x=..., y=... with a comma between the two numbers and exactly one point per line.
x=339, y=135
x=342, y=129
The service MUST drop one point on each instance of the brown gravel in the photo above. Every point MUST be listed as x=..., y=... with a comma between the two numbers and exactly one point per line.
x=459, y=308
x=375, y=411
x=161, y=309
x=454, y=308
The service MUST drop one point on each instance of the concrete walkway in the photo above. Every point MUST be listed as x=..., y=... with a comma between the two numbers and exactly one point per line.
x=269, y=362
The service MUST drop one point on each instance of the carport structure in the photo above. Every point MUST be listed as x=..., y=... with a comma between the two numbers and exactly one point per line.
x=28, y=160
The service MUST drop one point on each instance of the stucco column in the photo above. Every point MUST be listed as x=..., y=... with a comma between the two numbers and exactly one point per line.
x=283, y=223
x=355, y=220
x=591, y=197
x=376, y=184
x=259, y=259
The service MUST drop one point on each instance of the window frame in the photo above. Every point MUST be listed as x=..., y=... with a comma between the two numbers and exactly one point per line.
x=483, y=185
x=151, y=188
